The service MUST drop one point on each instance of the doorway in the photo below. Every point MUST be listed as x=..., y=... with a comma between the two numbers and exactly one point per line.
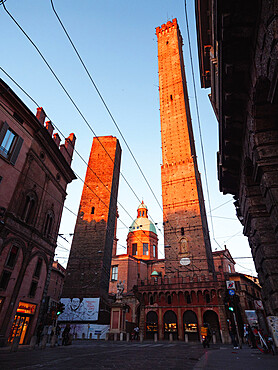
x=19, y=328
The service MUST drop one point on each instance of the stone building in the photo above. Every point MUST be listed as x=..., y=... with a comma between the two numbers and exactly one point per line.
x=238, y=55
x=54, y=292
x=34, y=172
x=88, y=269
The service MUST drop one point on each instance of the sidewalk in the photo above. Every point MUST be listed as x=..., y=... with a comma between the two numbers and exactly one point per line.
x=243, y=359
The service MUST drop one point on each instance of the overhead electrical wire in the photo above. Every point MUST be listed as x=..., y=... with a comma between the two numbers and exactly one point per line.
x=77, y=108
x=79, y=177
x=199, y=123
x=109, y=110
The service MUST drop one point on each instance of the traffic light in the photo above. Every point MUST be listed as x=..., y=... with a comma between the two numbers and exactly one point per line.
x=230, y=307
x=60, y=308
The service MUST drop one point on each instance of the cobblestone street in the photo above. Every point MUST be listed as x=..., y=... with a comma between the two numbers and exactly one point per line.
x=122, y=355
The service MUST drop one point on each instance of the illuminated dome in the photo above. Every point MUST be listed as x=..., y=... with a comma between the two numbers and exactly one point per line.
x=142, y=222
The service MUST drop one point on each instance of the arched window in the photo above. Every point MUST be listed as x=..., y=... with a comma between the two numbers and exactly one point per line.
x=151, y=299
x=12, y=257
x=28, y=211
x=49, y=220
x=169, y=299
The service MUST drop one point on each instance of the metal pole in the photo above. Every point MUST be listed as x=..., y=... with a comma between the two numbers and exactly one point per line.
x=239, y=338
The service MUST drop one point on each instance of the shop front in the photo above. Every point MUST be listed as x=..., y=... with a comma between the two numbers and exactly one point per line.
x=23, y=317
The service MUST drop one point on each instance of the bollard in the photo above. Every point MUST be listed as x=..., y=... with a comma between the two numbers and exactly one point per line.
x=44, y=341
x=107, y=336
x=214, y=339
x=171, y=337
x=127, y=337
x=115, y=337
x=33, y=342
x=121, y=337
x=155, y=337
x=15, y=344
x=186, y=338
x=53, y=341
x=141, y=337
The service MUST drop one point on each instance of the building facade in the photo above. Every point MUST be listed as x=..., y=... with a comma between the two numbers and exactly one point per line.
x=88, y=269
x=34, y=170
x=238, y=55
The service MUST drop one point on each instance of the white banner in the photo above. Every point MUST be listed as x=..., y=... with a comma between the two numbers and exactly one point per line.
x=80, y=309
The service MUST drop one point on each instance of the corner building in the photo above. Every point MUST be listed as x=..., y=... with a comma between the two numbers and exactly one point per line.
x=35, y=168
x=88, y=269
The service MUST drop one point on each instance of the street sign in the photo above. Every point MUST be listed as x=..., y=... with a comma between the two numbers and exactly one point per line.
x=258, y=305
x=230, y=284
x=231, y=292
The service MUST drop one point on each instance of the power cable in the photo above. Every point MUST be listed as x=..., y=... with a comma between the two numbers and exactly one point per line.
x=79, y=111
x=198, y=120
x=104, y=103
x=60, y=132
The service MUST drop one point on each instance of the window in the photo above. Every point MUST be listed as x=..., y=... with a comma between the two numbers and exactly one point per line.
x=169, y=299
x=182, y=231
x=229, y=268
x=2, y=299
x=33, y=289
x=48, y=223
x=10, y=143
x=29, y=208
x=38, y=268
x=134, y=249
x=188, y=299
x=5, y=278
x=154, y=254
x=207, y=298
x=12, y=256
x=93, y=211
x=145, y=249
x=114, y=276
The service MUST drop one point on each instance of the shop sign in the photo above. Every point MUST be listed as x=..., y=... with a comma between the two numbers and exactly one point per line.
x=28, y=308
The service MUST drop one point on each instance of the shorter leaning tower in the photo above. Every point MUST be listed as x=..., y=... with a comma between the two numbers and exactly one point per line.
x=88, y=269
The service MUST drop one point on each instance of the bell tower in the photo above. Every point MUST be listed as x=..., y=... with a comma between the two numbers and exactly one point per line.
x=186, y=233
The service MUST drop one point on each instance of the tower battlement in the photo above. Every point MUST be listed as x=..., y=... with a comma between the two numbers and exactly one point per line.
x=167, y=26
x=68, y=147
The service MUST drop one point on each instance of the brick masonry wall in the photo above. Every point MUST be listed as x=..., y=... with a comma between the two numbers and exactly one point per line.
x=185, y=224
x=88, y=270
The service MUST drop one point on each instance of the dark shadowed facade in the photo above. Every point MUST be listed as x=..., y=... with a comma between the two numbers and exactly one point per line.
x=88, y=269
x=238, y=53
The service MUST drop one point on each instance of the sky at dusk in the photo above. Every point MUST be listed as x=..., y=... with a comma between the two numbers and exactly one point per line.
x=117, y=42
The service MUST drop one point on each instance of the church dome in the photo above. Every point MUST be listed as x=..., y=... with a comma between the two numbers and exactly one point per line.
x=142, y=222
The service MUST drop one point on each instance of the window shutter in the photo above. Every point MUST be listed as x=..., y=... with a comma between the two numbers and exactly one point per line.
x=16, y=150
x=3, y=131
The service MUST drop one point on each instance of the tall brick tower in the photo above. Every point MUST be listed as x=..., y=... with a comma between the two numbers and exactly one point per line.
x=88, y=269
x=185, y=225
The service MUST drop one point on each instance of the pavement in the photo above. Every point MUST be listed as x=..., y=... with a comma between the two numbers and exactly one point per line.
x=135, y=355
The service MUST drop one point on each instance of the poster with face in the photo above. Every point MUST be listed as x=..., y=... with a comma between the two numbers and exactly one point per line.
x=80, y=309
